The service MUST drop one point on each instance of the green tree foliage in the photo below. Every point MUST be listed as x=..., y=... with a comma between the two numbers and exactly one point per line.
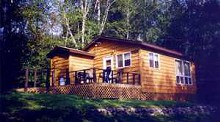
x=194, y=28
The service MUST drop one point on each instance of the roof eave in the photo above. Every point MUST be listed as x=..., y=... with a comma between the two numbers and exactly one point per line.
x=67, y=51
x=136, y=43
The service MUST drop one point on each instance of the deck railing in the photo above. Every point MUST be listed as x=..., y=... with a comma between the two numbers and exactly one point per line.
x=48, y=77
x=96, y=75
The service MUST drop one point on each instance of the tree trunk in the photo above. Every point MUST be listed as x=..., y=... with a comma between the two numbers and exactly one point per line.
x=105, y=16
x=83, y=30
x=99, y=12
x=85, y=6
x=128, y=22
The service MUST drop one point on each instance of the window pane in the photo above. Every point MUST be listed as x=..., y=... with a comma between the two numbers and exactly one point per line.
x=151, y=63
x=186, y=69
x=178, y=68
x=127, y=62
x=182, y=80
x=108, y=63
x=178, y=79
x=127, y=56
x=156, y=64
x=127, y=59
x=151, y=59
x=155, y=57
x=186, y=80
x=120, y=60
x=156, y=60
x=190, y=81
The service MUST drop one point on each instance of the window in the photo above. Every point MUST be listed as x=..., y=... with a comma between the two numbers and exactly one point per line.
x=154, y=60
x=124, y=60
x=127, y=59
x=183, y=75
x=120, y=60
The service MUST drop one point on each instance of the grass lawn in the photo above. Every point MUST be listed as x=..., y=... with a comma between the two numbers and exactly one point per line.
x=46, y=107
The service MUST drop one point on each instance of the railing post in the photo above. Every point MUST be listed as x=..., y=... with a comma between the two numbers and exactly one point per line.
x=53, y=77
x=48, y=79
x=84, y=76
x=26, y=79
x=139, y=79
x=67, y=76
x=112, y=76
x=76, y=79
x=94, y=75
x=120, y=75
x=35, y=77
x=133, y=79
x=127, y=77
x=103, y=76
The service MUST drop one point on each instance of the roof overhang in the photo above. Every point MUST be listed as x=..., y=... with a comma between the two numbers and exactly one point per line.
x=141, y=44
x=65, y=51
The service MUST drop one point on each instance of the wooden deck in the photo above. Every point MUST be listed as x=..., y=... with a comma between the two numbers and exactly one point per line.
x=109, y=91
x=127, y=86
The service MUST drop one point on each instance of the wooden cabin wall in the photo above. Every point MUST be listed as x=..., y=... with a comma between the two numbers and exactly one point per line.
x=78, y=62
x=162, y=80
x=108, y=48
x=61, y=64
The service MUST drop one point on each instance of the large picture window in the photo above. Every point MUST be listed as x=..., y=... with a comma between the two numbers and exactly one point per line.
x=154, y=60
x=123, y=60
x=183, y=75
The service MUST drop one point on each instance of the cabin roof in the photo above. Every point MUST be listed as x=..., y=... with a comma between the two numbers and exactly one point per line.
x=133, y=42
x=60, y=50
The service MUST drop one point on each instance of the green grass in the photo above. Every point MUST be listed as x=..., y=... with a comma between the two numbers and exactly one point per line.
x=46, y=107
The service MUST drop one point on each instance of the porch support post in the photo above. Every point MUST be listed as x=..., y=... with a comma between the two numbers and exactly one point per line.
x=112, y=76
x=103, y=76
x=94, y=75
x=67, y=76
x=76, y=79
x=53, y=77
x=139, y=79
x=26, y=79
x=48, y=79
x=133, y=78
x=84, y=76
x=127, y=77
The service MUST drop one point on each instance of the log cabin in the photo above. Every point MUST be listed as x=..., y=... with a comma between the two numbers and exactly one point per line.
x=106, y=60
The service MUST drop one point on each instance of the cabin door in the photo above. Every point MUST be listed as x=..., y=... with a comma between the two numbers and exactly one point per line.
x=108, y=62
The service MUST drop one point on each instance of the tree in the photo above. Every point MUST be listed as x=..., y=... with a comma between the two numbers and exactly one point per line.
x=12, y=46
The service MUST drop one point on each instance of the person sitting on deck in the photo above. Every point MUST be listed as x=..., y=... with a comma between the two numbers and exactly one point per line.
x=62, y=81
x=89, y=76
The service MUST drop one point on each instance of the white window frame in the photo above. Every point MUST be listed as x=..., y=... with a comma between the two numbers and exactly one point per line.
x=183, y=70
x=154, y=60
x=123, y=58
